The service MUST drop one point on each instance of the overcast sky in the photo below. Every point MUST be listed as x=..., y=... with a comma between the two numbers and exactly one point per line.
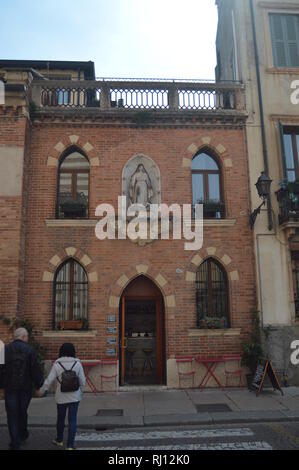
x=125, y=38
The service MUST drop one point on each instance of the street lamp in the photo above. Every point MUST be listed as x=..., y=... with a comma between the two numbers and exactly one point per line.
x=263, y=186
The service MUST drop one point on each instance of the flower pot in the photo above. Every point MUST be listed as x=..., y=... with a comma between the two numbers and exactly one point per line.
x=71, y=324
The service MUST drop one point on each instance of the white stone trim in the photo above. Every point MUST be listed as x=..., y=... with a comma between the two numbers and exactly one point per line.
x=71, y=251
x=52, y=162
x=69, y=334
x=87, y=147
x=206, y=332
x=160, y=280
x=122, y=281
x=196, y=260
x=170, y=301
x=114, y=301
x=55, y=260
x=234, y=275
x=71, y=223
x=60, y=147
x=85, y=260
x=93, y=277
x=192, y=148
x=48, y=276
x=190, y=276
x=73, y=138
x=142, y=268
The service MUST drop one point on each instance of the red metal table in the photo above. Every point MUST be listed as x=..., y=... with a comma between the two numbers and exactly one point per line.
x=88, y=366
x=210, y=364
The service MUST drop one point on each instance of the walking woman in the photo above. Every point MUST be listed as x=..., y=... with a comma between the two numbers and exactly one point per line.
x=68, y=373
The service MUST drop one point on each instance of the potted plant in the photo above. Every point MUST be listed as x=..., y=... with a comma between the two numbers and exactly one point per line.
x=73, y=207
x=213, y=323
x=71, y=325
x=253, y=354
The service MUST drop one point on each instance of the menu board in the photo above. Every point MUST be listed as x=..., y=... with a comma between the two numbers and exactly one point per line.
x=260, y=375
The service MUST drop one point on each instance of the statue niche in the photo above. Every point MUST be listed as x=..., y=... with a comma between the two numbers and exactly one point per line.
x=141, y=181
x=140, y=188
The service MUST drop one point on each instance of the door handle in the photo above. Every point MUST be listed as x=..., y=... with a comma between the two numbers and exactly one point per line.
x=124, y=343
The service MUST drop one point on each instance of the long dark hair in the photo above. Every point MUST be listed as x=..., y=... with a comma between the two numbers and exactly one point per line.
x=67, y=350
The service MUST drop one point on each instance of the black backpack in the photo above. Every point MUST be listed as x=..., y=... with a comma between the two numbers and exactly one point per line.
x=69, y=379
x=16, y=368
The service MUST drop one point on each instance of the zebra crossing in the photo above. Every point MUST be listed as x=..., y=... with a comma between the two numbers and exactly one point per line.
x=190, y=439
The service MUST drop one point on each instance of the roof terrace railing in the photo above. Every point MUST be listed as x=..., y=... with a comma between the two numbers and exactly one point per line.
x=130, y=94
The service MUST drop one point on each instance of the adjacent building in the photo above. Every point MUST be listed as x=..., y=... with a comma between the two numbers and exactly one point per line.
x=258, y=44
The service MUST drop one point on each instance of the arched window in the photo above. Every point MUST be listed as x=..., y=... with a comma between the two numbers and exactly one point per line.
x=212, y=296
x=70, y=293
x=206, y=186
x=73, y=187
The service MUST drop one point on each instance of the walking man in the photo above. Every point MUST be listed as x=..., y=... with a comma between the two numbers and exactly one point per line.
x=21, y=373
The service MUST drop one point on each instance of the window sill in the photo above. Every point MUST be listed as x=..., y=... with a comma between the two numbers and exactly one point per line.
x=71, y=222
x=69, y=333
x=214, y=223
x=283, y=70
x=196, y=332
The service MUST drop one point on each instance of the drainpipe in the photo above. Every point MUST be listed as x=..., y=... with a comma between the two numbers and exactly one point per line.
x=260, y=97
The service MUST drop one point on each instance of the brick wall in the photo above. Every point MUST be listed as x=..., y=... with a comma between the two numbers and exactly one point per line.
x=14, y=135
x=114, y=147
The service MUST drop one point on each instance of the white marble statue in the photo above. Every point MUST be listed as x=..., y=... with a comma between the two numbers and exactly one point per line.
x=140, y=189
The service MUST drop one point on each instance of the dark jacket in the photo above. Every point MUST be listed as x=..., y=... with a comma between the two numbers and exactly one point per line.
x=21, y=369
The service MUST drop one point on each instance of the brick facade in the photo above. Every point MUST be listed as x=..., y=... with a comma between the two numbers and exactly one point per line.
x=33, y=245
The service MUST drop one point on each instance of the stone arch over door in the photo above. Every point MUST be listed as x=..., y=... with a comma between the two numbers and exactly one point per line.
x=157, y=277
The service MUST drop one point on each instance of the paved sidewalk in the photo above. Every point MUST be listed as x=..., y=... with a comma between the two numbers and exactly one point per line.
x=157, y=407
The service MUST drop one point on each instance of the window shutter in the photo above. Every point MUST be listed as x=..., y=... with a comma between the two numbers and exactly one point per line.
x=285, y=39
x=278, y=43
x=282, y=151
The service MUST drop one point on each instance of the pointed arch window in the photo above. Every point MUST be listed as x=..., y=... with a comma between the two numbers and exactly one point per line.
x=206, y=186
x=212, y=304
x=73, y=187
x=70, y=293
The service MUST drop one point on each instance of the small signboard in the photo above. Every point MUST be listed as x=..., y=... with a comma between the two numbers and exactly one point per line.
x=111, y=340
x=111, y=318
x=111, y=329
x=110, y=352
x=260, y=375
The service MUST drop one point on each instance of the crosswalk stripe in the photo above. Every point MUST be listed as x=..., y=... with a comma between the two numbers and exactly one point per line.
x=254, y=445
x=147, y=435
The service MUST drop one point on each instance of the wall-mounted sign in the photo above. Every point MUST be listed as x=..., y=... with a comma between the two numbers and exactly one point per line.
x=110, y=352
x=111, y=329
x=111, y=340
x=111, y=318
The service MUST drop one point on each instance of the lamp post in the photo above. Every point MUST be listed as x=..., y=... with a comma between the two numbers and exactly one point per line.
x=263, y=186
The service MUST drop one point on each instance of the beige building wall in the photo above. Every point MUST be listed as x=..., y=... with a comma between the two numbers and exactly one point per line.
x=235, y=50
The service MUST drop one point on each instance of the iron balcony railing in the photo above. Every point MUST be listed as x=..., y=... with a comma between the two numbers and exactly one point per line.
x=130, y=94
x=288, y=205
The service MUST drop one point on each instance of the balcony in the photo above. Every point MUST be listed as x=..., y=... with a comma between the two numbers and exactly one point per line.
x=123, y=95
x=69, y=207
x=288, y=199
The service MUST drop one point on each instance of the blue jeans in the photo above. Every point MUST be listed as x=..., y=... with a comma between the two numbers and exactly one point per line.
x=16, y=405
x=72, y=419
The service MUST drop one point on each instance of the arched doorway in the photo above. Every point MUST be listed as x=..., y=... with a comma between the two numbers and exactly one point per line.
x=142, y=350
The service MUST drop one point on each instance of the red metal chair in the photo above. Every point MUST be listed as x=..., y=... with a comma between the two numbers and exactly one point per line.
x=185, y=369
x=108, y=378
x=233, y=372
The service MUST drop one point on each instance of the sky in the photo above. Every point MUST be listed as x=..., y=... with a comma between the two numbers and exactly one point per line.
x=125, y=38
